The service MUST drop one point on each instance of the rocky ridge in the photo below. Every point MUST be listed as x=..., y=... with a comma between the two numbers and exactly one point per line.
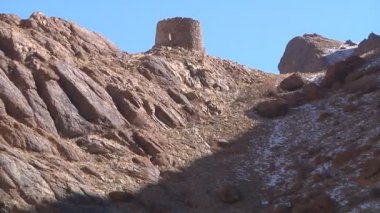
x=86, y=127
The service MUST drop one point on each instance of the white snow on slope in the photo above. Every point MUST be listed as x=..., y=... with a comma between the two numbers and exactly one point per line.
x=316, y=78
x=334, y=55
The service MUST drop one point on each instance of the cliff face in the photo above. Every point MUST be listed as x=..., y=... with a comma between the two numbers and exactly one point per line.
x=87, y=127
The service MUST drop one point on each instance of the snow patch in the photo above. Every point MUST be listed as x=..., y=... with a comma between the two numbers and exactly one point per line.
x=337, y=194
x=316, y=78
x=339, y=55
x=334, y=55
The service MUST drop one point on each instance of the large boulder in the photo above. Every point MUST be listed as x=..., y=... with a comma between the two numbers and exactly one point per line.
x=313, y=53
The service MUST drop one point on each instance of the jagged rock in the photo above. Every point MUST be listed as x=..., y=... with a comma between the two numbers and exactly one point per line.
x=98, y=146
x=24, y=138
x=156, y=66
x=147, y=143
x=205, y=77
x=100, y=44
x=91, y=100
x=129, y=105
x=168, y=117
x=92, y=146
x=191, y=96
x=24, y=80
x=312, y=53
x=6, y=183
x=369, y=46
x=10, y=18
x=32, y=186
x=90, y=171
x=15, y=103
x=293, y=82
x=66, y=117
x=178, y=97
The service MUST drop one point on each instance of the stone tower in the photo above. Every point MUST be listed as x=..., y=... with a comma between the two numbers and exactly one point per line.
x=179, y=32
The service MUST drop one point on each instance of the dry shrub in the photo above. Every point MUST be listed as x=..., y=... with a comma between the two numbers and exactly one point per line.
x=272, y=108
x=268, y=88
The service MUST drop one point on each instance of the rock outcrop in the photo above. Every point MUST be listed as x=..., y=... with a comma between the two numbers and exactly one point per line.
x=313, y=53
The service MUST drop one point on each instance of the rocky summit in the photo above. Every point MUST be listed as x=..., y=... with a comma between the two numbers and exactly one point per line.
x=86, y=127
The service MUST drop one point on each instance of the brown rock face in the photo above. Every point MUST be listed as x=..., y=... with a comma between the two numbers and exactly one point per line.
x=312, y=53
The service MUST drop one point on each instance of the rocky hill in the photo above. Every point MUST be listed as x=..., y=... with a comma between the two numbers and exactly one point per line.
x=86, y=127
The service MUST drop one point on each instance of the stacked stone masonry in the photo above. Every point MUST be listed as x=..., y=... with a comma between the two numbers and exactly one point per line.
x=179, y=32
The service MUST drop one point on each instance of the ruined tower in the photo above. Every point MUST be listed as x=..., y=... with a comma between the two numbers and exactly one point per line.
x=179, y=32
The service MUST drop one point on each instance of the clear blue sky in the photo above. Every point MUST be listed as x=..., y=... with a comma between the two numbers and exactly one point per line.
x=250, y=32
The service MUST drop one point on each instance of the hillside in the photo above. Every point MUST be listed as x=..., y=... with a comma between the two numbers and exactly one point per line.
x=86, y=127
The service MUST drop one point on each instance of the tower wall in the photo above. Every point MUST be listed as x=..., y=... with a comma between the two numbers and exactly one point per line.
x=179, y=32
